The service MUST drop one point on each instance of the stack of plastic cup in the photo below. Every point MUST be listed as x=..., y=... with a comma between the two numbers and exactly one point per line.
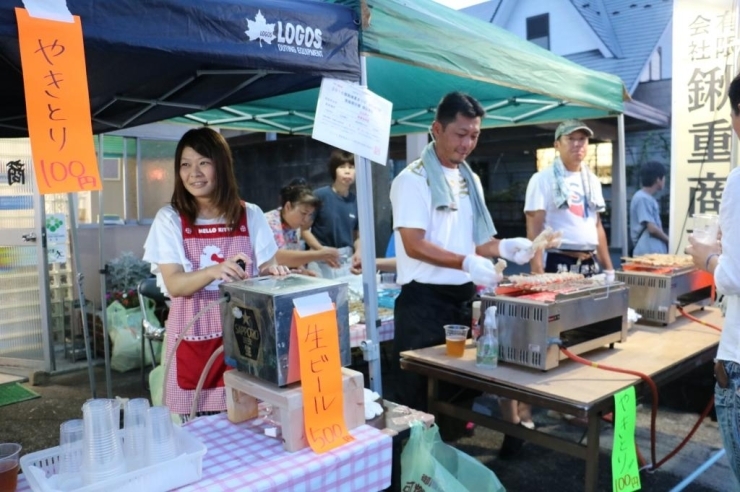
x=161, y=433
x=70, y=444
x=135, y=433
x=115, y=410
x=102, y=456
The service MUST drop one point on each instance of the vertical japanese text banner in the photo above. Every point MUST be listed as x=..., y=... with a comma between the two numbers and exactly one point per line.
x=704, y=64
x=57, y=104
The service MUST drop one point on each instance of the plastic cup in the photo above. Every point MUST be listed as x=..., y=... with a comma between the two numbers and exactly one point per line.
x=102, y=456
x=455, y=336
x=162, y=443
x=9, y=454
x=706, y=228
x=135, y=438
x=70, y=443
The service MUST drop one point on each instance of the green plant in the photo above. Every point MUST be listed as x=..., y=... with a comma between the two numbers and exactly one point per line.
x=124, y=274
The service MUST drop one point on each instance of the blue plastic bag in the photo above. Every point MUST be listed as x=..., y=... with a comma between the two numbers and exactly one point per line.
x=428, y=464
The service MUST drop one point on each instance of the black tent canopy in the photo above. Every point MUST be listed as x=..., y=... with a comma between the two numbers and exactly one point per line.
x=150, y=60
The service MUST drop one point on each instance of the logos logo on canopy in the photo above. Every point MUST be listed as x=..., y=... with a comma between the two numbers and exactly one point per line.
x=291, y=37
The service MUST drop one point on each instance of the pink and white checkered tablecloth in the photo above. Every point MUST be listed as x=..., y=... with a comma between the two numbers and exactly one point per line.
x=241, y=457
x=357, y=333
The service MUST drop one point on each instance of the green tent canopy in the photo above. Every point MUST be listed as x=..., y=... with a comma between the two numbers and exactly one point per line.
x=417, y=51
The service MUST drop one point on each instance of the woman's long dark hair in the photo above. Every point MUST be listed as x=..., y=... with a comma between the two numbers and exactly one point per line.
x=213, y=145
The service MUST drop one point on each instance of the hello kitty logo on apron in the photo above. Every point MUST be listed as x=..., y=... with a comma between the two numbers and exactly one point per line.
x=211, y=255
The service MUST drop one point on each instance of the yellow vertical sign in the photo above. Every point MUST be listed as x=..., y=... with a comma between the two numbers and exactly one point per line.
x=57, y=104
x=321, y=380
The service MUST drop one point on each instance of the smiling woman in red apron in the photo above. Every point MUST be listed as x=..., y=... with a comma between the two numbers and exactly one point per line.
x=194, y=245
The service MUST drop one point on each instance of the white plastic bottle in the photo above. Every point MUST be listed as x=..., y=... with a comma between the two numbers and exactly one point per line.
x=475, y=322
x=486, y=354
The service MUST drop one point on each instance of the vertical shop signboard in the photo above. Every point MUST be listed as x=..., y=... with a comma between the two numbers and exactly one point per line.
x=704, y=63
x=57, y=104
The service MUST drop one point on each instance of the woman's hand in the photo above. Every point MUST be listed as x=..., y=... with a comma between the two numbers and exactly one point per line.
x=275, y=270
x=330, y=256
x=229, y=270
x=700, y=252
x=356, y=267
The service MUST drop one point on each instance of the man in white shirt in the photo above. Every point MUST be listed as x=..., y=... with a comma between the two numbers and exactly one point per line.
x=722, y=258
x=444, y=240
x=567, y=197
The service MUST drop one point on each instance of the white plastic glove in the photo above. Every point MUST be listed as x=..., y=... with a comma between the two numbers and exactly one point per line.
x=481, y=271
x=516, y=249
x=372, y=407
x=608, y=276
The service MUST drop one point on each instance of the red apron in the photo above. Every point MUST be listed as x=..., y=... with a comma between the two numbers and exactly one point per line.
x=204, y=246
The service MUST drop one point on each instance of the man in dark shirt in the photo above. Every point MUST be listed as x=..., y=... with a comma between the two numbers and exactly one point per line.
x=336, y=224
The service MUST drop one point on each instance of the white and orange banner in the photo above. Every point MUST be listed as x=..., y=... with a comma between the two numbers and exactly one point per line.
x=705, y=51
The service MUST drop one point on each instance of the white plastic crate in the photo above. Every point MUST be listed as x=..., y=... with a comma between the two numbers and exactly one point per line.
x=41, y=466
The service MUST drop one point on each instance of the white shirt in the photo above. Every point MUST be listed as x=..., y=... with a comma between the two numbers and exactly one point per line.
x=577, y=222
x=164, y=244
x=411, y=199
x=727, y=273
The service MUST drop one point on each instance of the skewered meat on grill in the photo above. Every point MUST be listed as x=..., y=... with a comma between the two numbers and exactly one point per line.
x=663, y=260
x=544, y=278
x=547, y=239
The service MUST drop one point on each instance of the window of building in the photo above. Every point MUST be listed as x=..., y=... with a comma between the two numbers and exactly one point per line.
x=138, y=179
x=598, y=158
x=538, y=30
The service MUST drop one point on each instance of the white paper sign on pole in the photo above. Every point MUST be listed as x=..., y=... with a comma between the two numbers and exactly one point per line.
x=352, y=118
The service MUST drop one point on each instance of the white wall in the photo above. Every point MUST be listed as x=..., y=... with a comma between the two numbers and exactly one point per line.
x=569, y=32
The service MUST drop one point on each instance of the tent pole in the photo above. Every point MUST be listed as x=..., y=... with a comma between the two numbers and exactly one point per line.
x=79, y=277
x=103, y=270
x=370, y=346
x=622, y=191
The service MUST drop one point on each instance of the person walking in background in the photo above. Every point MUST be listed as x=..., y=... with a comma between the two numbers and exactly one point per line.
x=193, y=245
x=646, y=228
x=298, y=206
x=722, y=258
x=336, y=222
x=444, y=241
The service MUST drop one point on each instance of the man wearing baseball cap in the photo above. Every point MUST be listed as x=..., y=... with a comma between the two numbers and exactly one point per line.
x=566, y=197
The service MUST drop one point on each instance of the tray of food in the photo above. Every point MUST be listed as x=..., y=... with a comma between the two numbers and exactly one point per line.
x=657, y=263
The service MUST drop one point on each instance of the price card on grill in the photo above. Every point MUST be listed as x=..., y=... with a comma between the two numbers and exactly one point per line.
x=321, y=372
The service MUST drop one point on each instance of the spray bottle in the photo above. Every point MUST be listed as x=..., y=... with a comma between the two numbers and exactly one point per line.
x=486, y=355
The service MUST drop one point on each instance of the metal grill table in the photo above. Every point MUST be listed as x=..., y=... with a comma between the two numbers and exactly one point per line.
x=579, y=314
x=655, y=292
x=571, y=388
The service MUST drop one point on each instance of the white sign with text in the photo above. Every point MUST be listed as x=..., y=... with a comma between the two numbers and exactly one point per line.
x=352, y=118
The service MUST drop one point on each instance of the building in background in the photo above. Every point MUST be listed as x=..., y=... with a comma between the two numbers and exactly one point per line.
x=628, y=38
